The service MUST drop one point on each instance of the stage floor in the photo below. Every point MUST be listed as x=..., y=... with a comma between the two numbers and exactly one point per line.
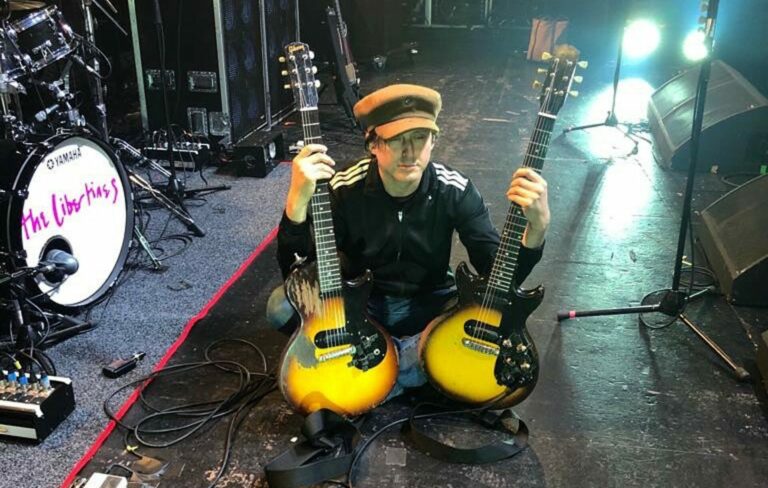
x=616, y=404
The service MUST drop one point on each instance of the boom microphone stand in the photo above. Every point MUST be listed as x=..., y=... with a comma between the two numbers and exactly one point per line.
x=672, y=302
x=175, y=188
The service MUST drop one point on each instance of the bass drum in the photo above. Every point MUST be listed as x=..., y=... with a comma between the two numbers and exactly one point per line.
x=78, y=199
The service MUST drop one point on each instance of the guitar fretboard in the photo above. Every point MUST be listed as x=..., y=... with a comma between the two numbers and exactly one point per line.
x=328, y=267
x=505, y=263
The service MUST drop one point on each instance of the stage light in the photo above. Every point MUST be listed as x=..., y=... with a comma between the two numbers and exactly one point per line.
x=694, y=47
x=641, y=38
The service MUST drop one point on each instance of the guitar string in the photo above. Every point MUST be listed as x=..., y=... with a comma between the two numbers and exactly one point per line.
x=515, y=219
x=310, y=124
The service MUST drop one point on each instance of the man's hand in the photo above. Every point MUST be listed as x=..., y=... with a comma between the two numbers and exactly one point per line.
x=310, y=165
x=529, y=190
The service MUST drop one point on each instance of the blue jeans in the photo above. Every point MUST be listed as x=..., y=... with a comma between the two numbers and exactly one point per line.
x=405, y=318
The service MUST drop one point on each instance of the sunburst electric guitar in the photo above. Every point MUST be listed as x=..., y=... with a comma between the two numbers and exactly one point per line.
x=481, y=352
x=338, y=359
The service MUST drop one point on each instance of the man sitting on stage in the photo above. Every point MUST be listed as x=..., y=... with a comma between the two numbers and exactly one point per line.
x=395, y=213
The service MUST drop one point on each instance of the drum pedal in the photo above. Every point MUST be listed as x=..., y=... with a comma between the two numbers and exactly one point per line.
x=31, y=411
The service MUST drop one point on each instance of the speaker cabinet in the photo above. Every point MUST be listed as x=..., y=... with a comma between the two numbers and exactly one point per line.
x=735, y=113
x=221, y=61
x=732, y=232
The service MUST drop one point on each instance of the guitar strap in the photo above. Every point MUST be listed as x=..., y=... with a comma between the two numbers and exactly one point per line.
x=325, y=453
x=505, y=421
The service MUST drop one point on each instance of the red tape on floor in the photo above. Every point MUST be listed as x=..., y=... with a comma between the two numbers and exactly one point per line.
x=171, y=351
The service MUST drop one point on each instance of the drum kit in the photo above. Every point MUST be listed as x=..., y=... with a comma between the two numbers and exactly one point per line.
x=66, y=187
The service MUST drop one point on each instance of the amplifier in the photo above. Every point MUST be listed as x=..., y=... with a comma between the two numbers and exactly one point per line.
x=188, y=156
x=221, y=59
x=32, y=410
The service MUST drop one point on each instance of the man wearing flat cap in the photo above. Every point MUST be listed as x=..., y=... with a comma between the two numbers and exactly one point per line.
x=395, y=213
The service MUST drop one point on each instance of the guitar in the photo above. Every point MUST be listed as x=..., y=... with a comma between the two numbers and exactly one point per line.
x=338, y=359
x=481, y=353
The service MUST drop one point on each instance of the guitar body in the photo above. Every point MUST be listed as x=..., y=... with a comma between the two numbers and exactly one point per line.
x=338, y=359
x=478, y=354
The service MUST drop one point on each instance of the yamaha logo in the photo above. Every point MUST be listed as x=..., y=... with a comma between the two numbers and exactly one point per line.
x=64, y=158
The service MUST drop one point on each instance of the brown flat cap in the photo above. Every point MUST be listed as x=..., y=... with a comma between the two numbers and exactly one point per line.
x=395, y=109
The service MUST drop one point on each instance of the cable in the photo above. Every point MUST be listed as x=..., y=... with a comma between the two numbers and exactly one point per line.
x=192, y=417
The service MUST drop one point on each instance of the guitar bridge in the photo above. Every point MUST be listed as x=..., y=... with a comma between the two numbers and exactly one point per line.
x=347, y=351
x=480, y=347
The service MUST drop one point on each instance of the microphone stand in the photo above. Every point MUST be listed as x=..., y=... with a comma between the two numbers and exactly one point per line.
x=27, y=333
x=611, y=120
x=175, y=188
x=672, y=302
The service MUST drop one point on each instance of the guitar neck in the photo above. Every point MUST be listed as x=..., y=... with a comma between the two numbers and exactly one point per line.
x=328, y=268
x=505, y=263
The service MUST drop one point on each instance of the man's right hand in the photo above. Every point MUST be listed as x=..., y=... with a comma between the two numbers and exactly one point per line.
x=310, y=165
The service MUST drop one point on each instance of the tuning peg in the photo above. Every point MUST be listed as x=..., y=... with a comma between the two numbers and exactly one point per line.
x=537, y=84
x=281, y=59
x=314, y=70
x=583, y=64
x=541, y=71
x=317, y=83
x=573, y=93
x=545, y=56
x=578, y=79
x=287, y=86
x=284, y=72
x=311, y=54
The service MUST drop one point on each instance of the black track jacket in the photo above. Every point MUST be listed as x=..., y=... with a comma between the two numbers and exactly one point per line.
x=406, y=245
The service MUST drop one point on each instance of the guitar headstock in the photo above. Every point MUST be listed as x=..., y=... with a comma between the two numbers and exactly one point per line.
x=560, y=75
x=298, y=60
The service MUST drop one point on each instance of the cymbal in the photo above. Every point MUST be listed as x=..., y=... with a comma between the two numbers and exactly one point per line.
x=25, y=4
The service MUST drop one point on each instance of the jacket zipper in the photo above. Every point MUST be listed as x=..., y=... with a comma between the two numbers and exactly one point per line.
x=400, y=240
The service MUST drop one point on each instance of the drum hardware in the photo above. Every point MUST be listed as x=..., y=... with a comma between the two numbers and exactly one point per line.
x=123, y=148
x=29, y=324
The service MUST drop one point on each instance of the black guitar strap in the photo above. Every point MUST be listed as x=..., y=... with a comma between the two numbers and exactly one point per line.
x=326, y=452
x=503, y=421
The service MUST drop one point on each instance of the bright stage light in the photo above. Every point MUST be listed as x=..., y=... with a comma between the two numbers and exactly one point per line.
x=641, y=38
x=694, y=47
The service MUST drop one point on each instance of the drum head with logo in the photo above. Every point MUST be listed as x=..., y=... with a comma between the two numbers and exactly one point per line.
x=79, y=201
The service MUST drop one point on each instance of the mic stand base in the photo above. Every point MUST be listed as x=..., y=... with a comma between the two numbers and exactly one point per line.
x=67, y=327
x=671, y=303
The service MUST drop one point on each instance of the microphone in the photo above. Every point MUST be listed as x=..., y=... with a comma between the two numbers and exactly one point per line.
x=57, y=265
x=42, y=115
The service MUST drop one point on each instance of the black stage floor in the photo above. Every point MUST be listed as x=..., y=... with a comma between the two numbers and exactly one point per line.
x=616, y=404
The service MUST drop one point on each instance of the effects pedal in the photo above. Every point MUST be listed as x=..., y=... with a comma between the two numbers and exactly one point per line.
x=31, y=410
